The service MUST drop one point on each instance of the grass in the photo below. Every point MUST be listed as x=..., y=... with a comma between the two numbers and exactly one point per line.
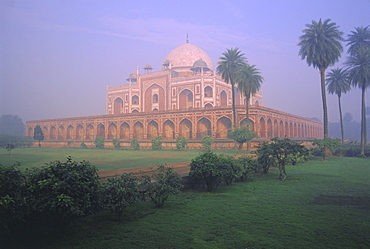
x=103, y=159
x=321, y=205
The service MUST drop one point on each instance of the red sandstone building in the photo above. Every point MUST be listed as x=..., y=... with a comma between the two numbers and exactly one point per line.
x=186, y=98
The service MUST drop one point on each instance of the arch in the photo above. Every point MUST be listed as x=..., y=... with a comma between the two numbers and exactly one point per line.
x=248, y=123
x=45, y=132
x=295, y=130
x=138, y=130
x=208, y=92
x=79, y=132
x=118, y=106
x=269, y=128
x=30, y=132
x=53, y=133
x=89, y=132
x=168, y=130
x=203, y=128
x=61, y=135
x=135, y=100
x=281, y=129
x=186, y=99
x=275, y=129
x=112, y=131
x=152, y=129
x=154, y=97
x=186, y=129
x=134, y=111
x=223, y=98
x=208, y=105
x=101, y=131
x=257, y=103
x=262, y=127
x=70, y=130
x=291, y=130
x=124, y=131
x=223, y=127
x=155, y=110
x=286, y=133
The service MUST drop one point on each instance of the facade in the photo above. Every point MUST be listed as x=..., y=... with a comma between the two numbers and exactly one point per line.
x=186, y=98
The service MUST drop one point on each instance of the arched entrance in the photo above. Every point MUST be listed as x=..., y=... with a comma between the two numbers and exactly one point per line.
x=223, y=127
x=203, y=128
x=89, y=132
x=138, y=130
x=69, y=132
x=112, y=131
x=101, y=131
x=186, y=99
x=79, y=132
x=53, y=133
x=168, y=130
x=186, y=129
x=124, y=131
x=152, y=129
x=61, y=135
x=118, y=106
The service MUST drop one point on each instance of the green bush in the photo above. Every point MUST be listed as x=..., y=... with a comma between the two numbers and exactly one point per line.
x=18, y=141
x=205, y=169
x=116, y=143
x=83, y=145
x=181, y=143
x=157, y=143
x=13, y=206
x=248, y=167
x=163, y=183
x=326, y=146
x=241, y=135
x=99, y=142
x=207, y=142
x=230, y=170
x=63, y=191
x=135, y=144
x=118, y=193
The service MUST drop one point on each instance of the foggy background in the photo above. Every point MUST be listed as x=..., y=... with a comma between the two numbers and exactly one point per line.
x=57, y=57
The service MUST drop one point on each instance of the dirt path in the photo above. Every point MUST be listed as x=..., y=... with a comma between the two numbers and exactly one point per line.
x=180, y=168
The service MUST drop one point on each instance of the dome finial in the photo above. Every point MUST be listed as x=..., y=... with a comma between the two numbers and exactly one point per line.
x=187, y=37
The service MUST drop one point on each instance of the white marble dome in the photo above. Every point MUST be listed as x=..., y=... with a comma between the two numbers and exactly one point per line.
x=186, y=55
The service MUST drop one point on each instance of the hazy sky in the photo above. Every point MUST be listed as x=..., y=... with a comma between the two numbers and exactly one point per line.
x=57, y=57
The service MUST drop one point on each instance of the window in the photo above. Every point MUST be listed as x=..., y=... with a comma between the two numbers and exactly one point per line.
x=155, y=98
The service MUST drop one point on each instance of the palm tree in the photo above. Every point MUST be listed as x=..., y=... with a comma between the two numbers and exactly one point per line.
x=359, y=75
x=249, y=83
x=321, y=47
x=359, y=70
x=338, y=83
x=230, y=63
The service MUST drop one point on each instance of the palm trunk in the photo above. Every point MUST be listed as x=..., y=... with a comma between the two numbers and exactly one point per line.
x=363, y=122
x=324, y=106
x=247, y=109
x=233, y=103
x=341, y=119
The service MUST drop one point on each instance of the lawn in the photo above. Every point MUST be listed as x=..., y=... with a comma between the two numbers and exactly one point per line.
x=320, y=205
x=103, y=159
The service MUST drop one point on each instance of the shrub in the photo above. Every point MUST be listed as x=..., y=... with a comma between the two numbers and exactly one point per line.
x=99, y=142
x=13, y=208
x=181, y=143
x=83, y=145
x=162, y=184
x=248, y=166
x=326, y=145
x=207, y=142
x=116, y=143
x=135, y=144
x=230, y=170
x=18, y=141
x=205, y=170
x=118, y=193
x=64, y=191
x=157, y=143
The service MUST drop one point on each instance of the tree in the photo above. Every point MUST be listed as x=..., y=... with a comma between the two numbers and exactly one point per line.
x=249, y=83
x=320, y=46
x=38, y=134
x=280, y=152
x=135, y=144
x=338, y=83
x=241, y=135
x=163, y=183
x=358, y=64
x=9, y=147
x=116, y=143
x=11, y=125
x=325, y=143
x=229, y=65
